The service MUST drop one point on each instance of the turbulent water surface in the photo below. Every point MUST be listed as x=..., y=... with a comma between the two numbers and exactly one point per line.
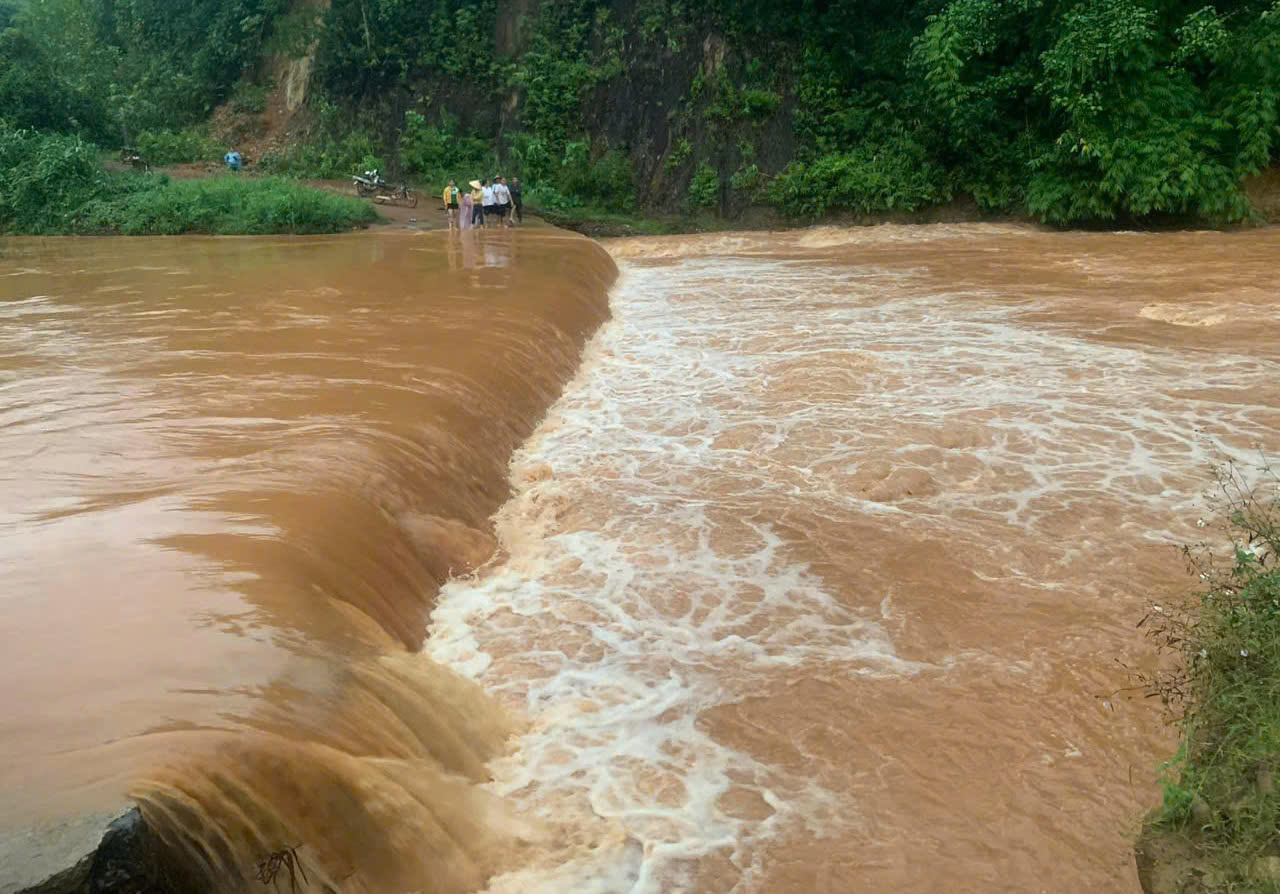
x=817, y=576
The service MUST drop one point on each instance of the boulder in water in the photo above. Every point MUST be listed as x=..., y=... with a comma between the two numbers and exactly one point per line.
x=79, y=857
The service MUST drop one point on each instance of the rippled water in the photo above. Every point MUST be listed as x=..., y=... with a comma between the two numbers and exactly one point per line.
x=820, y=570
x=815, y=578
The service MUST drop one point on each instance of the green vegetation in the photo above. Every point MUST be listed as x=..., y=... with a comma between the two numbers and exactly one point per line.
x=438, y=153
x=53, y=183
x=1072, y=111
x=864, y=181
x=227, y=204
x=1221, y=787
x=166, y=147
x=704, y=188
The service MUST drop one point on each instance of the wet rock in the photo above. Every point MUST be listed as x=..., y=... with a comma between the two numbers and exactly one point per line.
x=80, y=857
x=124, y=863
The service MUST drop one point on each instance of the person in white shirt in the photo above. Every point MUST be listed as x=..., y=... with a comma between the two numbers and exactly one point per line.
x=490, y=203
x=502, y=196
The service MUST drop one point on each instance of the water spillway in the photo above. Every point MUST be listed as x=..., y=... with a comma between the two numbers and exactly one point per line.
x=814, y=577
x=235, y=473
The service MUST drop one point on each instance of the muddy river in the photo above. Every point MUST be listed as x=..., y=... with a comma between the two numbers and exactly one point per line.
x=757, y=563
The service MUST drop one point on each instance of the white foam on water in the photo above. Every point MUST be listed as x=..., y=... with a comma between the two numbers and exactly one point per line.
x=645, y=577
x=632, y=597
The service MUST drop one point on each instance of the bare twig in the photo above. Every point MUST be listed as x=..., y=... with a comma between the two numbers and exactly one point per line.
x=285, y=858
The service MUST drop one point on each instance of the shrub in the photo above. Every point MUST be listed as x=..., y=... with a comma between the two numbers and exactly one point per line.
x=759, y=104
x=44, y=179
x=52, y=183
x=229, y=204
x=545, y=198
x=168, y=147
x=249, y=99
x=704, y=188
x=747, y=180
x=679, y=153
x=606, y=182
x=530, y=157
x=886, y=177
x=612, y=181
x=1227, y=686
x=326, y=159
x=436, y=153
x=34, y=92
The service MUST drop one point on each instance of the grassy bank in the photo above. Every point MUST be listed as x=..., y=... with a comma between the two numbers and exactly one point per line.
x=1219, y=826
x=55, y=184
x=226, y=205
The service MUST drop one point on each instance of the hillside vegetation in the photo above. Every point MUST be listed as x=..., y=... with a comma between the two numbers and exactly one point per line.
x=55, y=184
x=1072, y=111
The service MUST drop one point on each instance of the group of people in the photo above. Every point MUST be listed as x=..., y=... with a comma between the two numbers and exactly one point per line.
x=489, y=203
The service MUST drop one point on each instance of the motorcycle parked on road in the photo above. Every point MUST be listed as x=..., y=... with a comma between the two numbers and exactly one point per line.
x=371, y=183
x=135, y=159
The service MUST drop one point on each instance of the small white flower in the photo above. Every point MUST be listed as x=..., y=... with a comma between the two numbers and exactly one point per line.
x=1244, y=653
x=1204, y=653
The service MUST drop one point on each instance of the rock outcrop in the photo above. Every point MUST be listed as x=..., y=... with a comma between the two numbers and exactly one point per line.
x=90, y=855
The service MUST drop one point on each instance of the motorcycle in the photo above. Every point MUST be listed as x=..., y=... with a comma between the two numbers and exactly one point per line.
x=135, y=159
x=370, y=183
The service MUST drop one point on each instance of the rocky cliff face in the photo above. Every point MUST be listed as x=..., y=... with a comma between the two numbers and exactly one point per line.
x=665, y=86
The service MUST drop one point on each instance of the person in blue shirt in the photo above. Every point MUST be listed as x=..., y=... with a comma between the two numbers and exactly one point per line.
x=233, y=160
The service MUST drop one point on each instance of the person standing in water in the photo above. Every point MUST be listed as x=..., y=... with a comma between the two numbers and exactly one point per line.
x=451, y=201
x=477, y=204
x=490, y=203
x=502, y=198
x=467, y=210
x=517, y=204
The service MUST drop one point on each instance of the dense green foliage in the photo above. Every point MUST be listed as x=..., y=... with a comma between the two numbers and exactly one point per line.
x=1072, y=110
x=1092, y=109
x=166, y=147
x=1221, y=788
x=866, y=179
x=227, y=204
x=46, y=180
x=138, y=64
x=53, y=183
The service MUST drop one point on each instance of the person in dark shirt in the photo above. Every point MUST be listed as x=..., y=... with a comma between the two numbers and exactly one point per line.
x=516, y=200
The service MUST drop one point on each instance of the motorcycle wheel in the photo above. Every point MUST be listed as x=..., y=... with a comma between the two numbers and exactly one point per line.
x=411, y=198
x=363, y=191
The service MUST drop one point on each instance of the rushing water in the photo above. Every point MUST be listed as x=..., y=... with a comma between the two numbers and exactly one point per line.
x=235, y=472
x=817, y=576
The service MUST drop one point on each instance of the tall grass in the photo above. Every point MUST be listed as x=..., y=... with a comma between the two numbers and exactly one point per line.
x=53, y=183
x=1221, y=788
x=228, y=205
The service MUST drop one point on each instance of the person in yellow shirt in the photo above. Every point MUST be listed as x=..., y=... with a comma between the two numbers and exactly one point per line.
x=452, y=196
x=477, y=204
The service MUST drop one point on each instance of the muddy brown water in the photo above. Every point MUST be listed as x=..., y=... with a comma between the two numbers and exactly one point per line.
x=815, y=577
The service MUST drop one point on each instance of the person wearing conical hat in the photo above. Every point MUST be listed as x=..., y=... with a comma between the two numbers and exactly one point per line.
x=477, y=204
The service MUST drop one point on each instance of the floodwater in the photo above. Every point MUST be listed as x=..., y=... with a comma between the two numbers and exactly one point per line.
x=819, y=576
